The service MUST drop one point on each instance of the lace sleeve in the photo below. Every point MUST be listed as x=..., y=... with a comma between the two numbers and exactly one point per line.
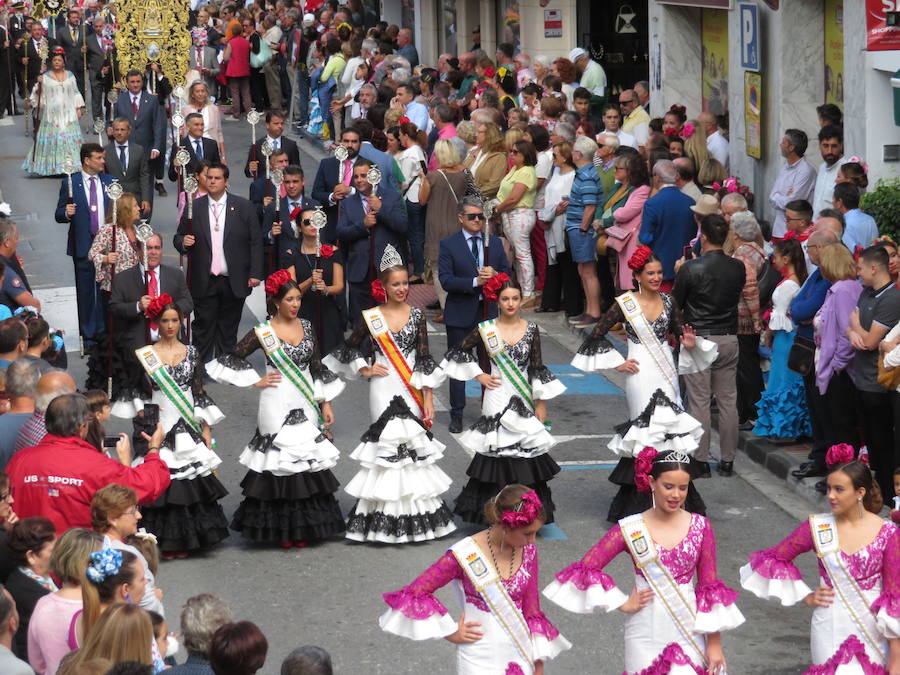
x=459, y=361
x=716, y=610
x=583, y=586
x=544, y=384
x=676, y=317
x=233, y=367
x=326, y=385
x=414, y=611
x=597, y=352
x=347, y=358
x=545, y=638
x=887, y=605
x=772, y=573
x=205, y=408
x=426, y=373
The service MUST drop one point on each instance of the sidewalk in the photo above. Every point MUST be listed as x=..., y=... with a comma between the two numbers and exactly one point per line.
x=778, y=459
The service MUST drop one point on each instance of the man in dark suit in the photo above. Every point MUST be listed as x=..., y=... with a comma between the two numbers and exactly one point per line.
x=334, y=182
x=262, y=191
x=148, y=117
x=463, y=269
x=280, y=228
x=127, y=162
x=85, y=212
x=226, y=262
x=99, y=66
x=7, y=100
x=132, y=291
x=30, y=55
x=71, y=38
x=369, y=222
x=255, y=165
x=200, y=148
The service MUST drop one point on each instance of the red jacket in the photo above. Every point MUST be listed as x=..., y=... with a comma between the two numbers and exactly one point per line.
x=58, y=477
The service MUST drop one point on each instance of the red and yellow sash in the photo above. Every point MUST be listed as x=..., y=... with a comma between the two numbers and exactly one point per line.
x=382, y=335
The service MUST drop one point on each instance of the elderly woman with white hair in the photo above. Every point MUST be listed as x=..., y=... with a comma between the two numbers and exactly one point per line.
x=201, y=617
x=540, y=65
x=199, y=102
x=745, y=239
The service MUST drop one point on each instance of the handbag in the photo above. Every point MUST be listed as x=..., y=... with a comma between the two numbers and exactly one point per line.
x=471, y=186
x=802, y=355
x=262, y=57
x=618, y=237
x=766, y=280
x=889, y=379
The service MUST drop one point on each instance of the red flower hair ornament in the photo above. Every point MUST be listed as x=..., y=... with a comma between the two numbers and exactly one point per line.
x=276, y=280
x=378, y=293
x=639, y=258
x=403, y=120
x=524, y=513
x=492, y=288
x=643, y=464
x=839, y=454
x=155, y=308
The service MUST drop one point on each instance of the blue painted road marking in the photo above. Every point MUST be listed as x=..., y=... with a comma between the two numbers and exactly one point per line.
x=577, y=383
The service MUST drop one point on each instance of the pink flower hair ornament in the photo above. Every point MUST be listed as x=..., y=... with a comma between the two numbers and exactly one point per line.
x=524, y=513
x=839, y=454
x=687, y=131
x=643, y=464
x=859, y=160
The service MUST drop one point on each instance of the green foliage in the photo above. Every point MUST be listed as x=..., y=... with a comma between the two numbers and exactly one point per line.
x=883, y=204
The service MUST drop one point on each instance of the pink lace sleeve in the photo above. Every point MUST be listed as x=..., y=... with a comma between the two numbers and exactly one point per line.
x=887, y=605
x=589, y=570
x=777, y=562
x=531, y=604
x=416, y=601
x=710, y=589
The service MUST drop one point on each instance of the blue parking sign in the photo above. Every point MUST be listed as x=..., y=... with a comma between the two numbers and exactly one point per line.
x=749, y=17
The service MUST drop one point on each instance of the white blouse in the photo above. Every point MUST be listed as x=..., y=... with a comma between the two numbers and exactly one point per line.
x=409, y=165
x=781, y=305
x=555, y=189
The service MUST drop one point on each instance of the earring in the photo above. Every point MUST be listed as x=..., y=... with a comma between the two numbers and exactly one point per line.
x=859, y=506
x=653, y=498
x=128, y=598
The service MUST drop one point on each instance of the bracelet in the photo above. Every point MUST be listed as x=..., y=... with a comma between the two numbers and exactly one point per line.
x=152, y=449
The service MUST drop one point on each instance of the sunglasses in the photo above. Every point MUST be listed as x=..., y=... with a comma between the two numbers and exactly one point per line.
x=474, y=216
x=307, y=221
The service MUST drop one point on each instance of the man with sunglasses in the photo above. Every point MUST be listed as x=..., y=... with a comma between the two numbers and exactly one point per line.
x=635, y=121
x=464, y=267
x=283, y=227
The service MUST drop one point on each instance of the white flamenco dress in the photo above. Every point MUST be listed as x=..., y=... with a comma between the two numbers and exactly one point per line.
x=655, y=414
x=187, y=516
x=415, y=613
x=508, y=443
x=836, y=644
x=59, y=136
x=289, y=490
x=399, y=485
x=654, y=644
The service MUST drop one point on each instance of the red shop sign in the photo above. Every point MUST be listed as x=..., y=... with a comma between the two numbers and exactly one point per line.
x=880, y=36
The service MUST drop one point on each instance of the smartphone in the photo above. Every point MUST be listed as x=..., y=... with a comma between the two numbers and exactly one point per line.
x=151, y=415
x=688, y=252
x=110, y=441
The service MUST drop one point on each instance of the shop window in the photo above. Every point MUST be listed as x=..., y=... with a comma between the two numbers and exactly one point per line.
x=715, y=61
x=834, y=51
x=508, y=22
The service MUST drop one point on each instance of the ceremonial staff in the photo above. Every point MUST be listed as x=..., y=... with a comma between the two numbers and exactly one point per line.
x=253, y=118
x=99, y=128
x=9, y=69
x=114, y=191
x=486, y=238
x=144, y=231
x=266, y=149
x=318, y=220
x=87, y=83
x=340, y=154
x=69, y=167
x=277, y=178
x=190, y=185
x=373, y=177
x=42, y=52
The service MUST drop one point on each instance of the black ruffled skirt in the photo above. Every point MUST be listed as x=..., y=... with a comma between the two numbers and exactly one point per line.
x=629, y=501
x=488, y=475
x=281, y=509
x=188, y=516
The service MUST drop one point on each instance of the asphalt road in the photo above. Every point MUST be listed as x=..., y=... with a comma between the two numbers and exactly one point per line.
x=329, y=594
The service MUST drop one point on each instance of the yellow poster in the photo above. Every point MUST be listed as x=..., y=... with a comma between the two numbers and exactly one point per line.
x=834, y=51
x=753, y=113
x=715, y=61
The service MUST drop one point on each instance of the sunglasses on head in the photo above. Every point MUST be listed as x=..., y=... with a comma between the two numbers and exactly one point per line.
x=474, y=216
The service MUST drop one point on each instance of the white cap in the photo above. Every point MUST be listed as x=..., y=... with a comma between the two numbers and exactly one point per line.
x=576, y=54
x=309, y=19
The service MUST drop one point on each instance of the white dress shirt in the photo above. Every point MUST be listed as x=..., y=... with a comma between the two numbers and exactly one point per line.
x=717, y=145
x=101, y=191
x=824, y=194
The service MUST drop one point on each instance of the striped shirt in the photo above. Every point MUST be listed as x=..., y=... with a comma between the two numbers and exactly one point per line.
x=586, y=191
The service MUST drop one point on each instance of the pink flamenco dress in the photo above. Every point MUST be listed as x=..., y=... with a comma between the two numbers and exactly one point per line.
x=838, y=646
x=654, y=643
x=415, y=613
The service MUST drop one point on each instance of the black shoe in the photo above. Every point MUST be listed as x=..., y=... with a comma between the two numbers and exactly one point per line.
x=725, y=469
x=433, y=305
x=704, y=470
x=542, y=310
x=747, y=426
x=809, y=470
x=822, y=487
x=161, y=189
x=455, y=425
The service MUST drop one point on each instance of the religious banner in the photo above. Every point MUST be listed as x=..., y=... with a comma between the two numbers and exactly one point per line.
x=880, y=36
x=753, y=113
x=154, y=31
x=715, y=61
x=834, y=51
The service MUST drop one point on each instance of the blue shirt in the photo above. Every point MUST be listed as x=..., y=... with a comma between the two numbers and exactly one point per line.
x=859, y=229
x=10, y=423
x=417, y=114
x=808, y=301
x=586, y=191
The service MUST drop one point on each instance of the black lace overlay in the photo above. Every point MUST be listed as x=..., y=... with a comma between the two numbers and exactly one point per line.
x=233, y=362
x=399, y=526
x=460, y=355
x=541, y=373
x=425, y=365
x=303, y=355
x=203, y=400
x=346, y=354
x=413, y=336
x=642, y=421
x=669, y=322
x=396, y=408
x=489, y=423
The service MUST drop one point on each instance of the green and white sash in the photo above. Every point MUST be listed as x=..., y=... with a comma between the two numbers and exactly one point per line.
x=490, y=587
x=272, y=347
x=634, y=315
x=496, y=349
x=156, y=369
x=825, y=538
x=646, y=558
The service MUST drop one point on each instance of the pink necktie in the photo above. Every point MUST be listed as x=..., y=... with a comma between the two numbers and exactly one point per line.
x=348, y=172
x=216, y=266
